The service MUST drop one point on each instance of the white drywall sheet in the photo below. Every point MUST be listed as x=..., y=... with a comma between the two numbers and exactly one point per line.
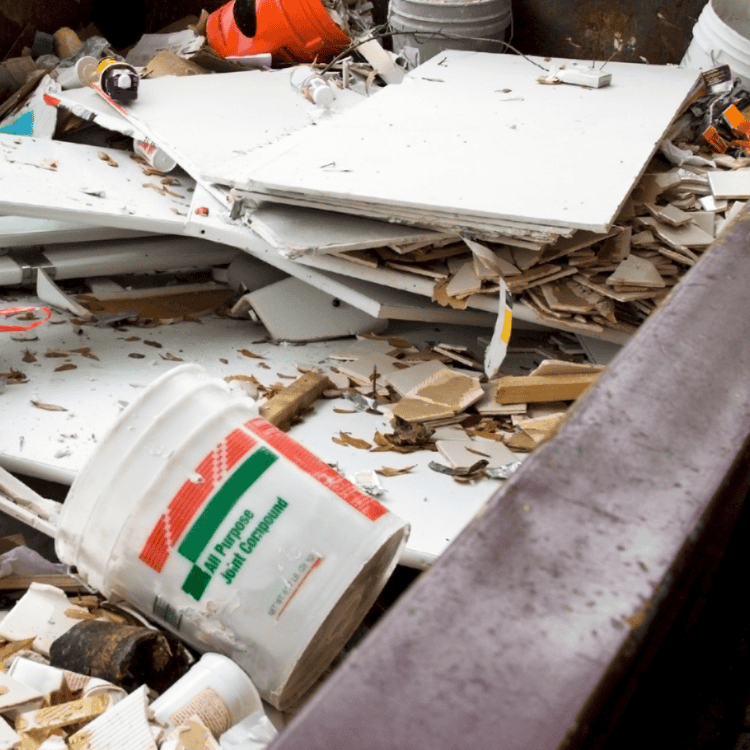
x=56, y=444
x=20, y=231
x=476, y=134
x=204, y=120
x=299, y=231
x=378, y=301
x=71, y=182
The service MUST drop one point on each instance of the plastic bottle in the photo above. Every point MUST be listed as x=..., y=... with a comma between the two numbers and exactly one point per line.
x=312, y=86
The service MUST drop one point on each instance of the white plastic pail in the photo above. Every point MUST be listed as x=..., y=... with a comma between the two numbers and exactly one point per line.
x=228, y=532
x=721, y=36
x=432, y=26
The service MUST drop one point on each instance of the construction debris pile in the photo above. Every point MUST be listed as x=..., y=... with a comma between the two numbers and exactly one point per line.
x=164, y=203
x=90, y=674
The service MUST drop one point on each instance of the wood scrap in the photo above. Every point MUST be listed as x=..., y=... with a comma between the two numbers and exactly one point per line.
x=284, y=407
x=515, y=389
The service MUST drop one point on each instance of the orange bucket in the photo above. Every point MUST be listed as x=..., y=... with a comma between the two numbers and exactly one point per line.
x=291, y=30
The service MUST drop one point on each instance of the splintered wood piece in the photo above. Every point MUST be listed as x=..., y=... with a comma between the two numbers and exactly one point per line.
x=301, y=394
x=516, y=389
x=636, y=271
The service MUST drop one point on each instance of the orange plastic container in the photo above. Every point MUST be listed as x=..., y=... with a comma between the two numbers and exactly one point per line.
x=291, y=30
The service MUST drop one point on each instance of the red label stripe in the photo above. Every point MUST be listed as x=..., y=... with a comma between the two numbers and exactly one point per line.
x=191, y=496
x=313, y=466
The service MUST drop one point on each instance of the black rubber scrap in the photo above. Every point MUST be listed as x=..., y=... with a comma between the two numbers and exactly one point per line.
x=126, y=655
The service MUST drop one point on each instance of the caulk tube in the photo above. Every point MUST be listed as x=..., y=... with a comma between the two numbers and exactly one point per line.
x=156, y=157
x=215, y=689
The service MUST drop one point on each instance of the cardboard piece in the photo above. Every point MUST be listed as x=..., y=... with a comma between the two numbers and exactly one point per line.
x=124, y=726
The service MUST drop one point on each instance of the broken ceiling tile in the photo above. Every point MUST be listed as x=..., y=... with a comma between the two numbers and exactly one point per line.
x=636, y=271
x=368, y=369
x=706, y=220
x=669, y=214
x=421, y=410
x=363, y=347
x=559, y=296
x=462, y=454
x=404, y=381
x=733, y=184
x=449, y=388
x=449, y=432
x=688, y=235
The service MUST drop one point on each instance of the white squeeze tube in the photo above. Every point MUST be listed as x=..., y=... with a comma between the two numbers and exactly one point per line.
x=156, y=157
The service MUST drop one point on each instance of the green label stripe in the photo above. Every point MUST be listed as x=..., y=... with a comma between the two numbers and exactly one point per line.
x=221, y=504
x=196, y=582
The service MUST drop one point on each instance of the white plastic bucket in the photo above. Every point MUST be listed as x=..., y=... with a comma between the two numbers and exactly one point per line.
x=432, y=26
x=721, y=36
x=229, y=533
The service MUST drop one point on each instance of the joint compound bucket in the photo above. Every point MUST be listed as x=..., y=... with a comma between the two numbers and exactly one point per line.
x=433, y=26
x=721, y=36
x=221, y=527
x=291, y=30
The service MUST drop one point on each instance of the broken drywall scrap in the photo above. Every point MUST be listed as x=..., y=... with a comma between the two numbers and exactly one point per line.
x=462, y=454
x=636, y=271
x=43, y=613
x=293, y=310
x=49, y=292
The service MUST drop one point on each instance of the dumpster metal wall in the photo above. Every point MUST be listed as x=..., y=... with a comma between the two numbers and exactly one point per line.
x=656, y=30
